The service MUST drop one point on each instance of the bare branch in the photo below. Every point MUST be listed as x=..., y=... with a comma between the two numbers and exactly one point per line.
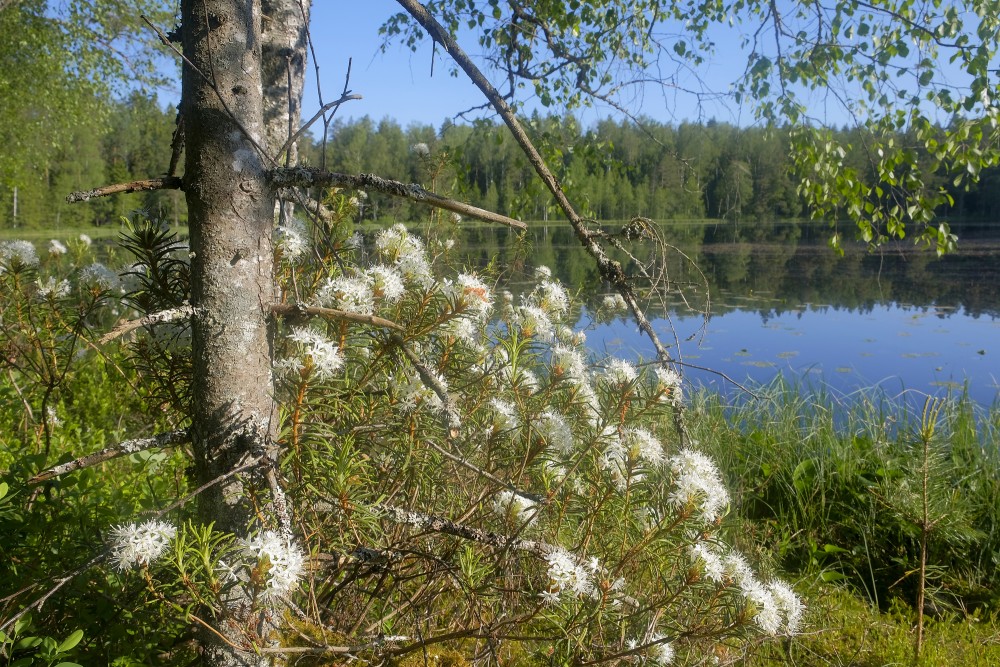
x=319, y=114
x=165, y=183
x=333, y=314
x=60, y=582
x=311, y=177
x=121, y=449
x=153, y=318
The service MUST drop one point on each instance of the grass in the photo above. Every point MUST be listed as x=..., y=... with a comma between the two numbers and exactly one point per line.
x=832, y=492
x=842, y=630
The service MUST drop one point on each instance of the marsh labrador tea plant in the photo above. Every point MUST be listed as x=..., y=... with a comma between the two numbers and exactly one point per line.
x=462, y=477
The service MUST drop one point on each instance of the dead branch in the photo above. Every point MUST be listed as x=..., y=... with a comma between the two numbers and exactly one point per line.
x=290, y=309
x=305, y=126
x=165, y=183
x=121, y=449
x=153, y=318
x=60, y=582
x=312, y=177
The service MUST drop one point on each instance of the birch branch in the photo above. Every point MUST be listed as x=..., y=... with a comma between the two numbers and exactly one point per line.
x=121, y=449
x=610, y=270
x=312, y=177
x=153, y=318
x=165, y=183
x=290, y=309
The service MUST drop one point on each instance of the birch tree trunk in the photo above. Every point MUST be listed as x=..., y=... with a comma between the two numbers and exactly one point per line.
x=285, y=55
x=230, y=215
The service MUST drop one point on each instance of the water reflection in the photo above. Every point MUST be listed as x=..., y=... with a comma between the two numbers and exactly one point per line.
x=780, y=301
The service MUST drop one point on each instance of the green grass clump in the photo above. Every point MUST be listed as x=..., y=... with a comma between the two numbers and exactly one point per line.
x=842, y=629
x=869, y=493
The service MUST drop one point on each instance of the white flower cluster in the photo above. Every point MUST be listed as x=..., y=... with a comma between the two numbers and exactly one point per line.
x=620, y=372
x=57, y=247
x=85, y=240
x=568, y=577
x=614, y=304
x=473, y=295
x=661, y=652
x=569, y=363
x=626, y=453
x=509, y=503
x=50, y=288
x=98, y=275
x=506, y=415
x=420, y=149
x=280, y=557
x=555, y=431
x=140, y=544
x=407, y=254
x=21, y=253
x=360, y=293
x=292, y=238
x=325, y=356
x=775, y=605
x=670, y=385
x=542, y=308
x=698, y=484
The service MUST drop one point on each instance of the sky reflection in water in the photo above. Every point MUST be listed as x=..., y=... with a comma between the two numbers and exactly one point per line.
x=896, y=348
x=783, y=302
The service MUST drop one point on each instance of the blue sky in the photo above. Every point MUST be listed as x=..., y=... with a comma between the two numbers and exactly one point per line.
x=398, y=83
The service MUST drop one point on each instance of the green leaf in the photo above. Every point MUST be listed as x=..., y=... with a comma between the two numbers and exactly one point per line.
x=830, y=575
x=71, y=641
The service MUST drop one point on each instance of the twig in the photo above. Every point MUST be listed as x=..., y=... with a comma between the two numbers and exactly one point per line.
x=113, y=452
x=333, y=314
x=444, y=526
x=610, y=270
x=60, y=582
x=221, y=478
x=153, y=318
x=319, y=114
x=312, y=177
x=165, y=183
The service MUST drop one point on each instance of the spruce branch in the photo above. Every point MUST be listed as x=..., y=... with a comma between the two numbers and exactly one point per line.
x=142, y=185
x=312, y=177
x=123, y=448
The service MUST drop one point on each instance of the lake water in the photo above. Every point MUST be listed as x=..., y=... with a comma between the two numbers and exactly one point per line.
x=780, y=301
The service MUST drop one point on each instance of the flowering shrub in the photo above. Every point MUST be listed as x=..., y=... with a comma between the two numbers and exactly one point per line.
x=458, y=467
x=502, y=480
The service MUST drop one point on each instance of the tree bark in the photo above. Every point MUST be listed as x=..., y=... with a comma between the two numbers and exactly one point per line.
x=230, y=207
x=285, y=52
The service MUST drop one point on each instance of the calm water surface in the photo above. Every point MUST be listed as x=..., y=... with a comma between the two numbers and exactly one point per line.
x=782, y=302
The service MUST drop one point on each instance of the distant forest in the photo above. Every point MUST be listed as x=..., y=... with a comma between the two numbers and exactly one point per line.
x=613, y=170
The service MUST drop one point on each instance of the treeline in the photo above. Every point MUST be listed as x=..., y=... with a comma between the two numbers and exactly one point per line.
x=612, y=170
x=118, y=142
